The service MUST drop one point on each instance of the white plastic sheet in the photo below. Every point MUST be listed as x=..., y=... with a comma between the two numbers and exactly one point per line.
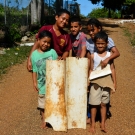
x=55, y=108
x=76, y=91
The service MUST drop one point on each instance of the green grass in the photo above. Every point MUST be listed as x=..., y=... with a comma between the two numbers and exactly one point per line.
x=131, y=36
x=15, y=55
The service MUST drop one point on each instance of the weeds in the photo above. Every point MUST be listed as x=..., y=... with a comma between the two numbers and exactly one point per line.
x=12, y=56
x=131, y=36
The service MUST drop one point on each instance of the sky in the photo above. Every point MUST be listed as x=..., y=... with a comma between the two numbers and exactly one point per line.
x=85, y=5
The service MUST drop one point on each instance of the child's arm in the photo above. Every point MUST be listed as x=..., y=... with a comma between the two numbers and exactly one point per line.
x=34, y=47
x=34, y=77
x=113, y=74
x=83, y=52
x=115, y=54
x=91, y=64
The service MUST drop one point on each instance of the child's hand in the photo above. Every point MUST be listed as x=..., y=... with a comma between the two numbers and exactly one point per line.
x=115, y=86
x=104, y=63
x=36, y=88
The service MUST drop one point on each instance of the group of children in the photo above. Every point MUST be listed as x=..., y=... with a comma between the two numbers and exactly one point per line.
x=52, y=43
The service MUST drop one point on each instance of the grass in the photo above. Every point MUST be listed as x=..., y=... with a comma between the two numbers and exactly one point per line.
x=12, y=56
x=131, y=36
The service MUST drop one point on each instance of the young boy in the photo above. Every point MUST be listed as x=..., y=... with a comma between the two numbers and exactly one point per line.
x=38, y=59
x=100, y=90
x=78, y=38
x=61, y=39
x=94, y=26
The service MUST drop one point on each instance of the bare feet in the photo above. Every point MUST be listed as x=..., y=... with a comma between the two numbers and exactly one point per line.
x=88, y=121
x=103, y=129
x=43, y=125
x=92, y=130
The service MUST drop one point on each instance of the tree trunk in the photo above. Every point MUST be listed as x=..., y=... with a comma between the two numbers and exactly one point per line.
x=39, y=10
x=34, y=17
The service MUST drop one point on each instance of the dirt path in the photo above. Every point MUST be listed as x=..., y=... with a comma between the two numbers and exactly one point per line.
x=18, y=101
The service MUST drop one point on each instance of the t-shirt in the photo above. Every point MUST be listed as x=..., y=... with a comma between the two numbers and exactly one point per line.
x=61, y=43
x=92, y=48
x=77, y=43
x=39, y=66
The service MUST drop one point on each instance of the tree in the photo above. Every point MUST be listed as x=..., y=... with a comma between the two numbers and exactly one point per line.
x=110, y=4
x=36, y=11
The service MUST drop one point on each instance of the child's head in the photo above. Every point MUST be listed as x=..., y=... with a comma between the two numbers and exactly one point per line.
x=93, y=26
x=62, y=18
x=44, y=40
x=75, y=25
x=101, y=41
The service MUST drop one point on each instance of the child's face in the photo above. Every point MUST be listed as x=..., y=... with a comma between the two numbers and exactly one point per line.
x=62, y=20
x=101, y=45
x=93, y=30
x=44, y=43
x=75, y=28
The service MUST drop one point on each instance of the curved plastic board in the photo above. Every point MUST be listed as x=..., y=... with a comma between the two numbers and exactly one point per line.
x=55, y=108
x=76, y=91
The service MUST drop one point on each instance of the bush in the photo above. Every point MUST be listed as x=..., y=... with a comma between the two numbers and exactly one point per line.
x=103, y=13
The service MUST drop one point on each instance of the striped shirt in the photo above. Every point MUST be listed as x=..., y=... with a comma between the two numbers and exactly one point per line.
x=92, y=48
x=77, y=43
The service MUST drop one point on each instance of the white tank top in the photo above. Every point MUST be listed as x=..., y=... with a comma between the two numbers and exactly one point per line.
x=97, y=59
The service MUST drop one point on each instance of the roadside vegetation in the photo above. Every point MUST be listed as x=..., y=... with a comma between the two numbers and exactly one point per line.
x=12, y=56
x=130, y=35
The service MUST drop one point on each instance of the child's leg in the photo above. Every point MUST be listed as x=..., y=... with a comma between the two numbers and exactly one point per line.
x=103, y=117
x=88, y=107
x=104, y=100
x=43, y=125
x=93, y=117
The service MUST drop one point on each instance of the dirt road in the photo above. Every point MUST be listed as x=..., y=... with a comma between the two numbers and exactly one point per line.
x=18, y=101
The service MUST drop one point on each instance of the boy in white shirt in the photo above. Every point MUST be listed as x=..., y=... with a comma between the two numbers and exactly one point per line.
x=100, y=90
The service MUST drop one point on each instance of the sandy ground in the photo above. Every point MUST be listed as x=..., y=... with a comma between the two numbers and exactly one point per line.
x=18, y=101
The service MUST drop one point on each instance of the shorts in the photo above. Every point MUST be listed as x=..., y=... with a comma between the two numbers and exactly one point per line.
x=41, y=101
x=99, y=95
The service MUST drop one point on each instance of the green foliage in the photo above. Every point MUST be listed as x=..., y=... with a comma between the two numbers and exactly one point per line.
x=103, y=13
x=131, y=36
x=98, y=13
x=14, y=33
x=129, y=2
x=111, y=4
x=13, y=56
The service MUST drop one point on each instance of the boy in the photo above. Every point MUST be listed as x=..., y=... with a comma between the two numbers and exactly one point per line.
x=94, y=26
x=100, y=90
x=38, y=59
x=61, y=39
x=78, y=38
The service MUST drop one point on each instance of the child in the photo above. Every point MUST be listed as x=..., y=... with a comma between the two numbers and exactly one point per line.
x=99, y=95
x=61, y=39
x=78, y=38
x=38, y=59
x=94, y=26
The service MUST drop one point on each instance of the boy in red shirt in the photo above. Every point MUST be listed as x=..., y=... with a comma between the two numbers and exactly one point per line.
x=61, y=39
